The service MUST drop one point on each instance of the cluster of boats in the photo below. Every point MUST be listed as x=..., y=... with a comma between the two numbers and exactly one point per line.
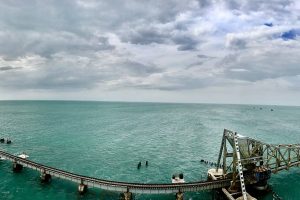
x=178, y=178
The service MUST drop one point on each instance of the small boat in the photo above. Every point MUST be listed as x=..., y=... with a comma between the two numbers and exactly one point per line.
x=178, y=178
x=23, y=155
x=1, y=158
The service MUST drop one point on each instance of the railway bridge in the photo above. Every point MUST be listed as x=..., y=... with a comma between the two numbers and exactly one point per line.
x=126, y=188
x=242, y=162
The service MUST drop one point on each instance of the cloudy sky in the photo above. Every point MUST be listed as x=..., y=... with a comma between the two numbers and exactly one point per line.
x=211, y=51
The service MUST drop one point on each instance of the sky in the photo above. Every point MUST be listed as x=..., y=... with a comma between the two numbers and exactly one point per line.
x=197, y=51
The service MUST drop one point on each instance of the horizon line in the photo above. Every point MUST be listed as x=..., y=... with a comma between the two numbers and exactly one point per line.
x=161, y=102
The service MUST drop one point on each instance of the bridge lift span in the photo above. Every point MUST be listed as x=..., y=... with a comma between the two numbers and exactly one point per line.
x=250, y=162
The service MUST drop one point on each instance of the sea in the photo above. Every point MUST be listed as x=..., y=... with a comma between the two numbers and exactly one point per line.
x=108, y=139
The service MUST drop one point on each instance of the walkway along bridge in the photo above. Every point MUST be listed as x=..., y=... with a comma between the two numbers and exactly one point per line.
x=242, y=161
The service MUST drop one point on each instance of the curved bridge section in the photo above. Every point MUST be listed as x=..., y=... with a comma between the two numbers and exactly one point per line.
x=114, y=185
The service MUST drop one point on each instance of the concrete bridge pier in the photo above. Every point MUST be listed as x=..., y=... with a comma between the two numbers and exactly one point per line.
x=17, y=167
x=82, y=188
x=45, y=178
x=179, y=195
x=127, y=195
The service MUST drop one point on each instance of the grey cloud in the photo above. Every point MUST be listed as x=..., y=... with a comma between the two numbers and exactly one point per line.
x=75, y=29
x=185, y=43
x=229, y=59
x=180, y=82
x=54, y=26
x=183, y=25
x=45, y=44
x=204, y=59
x=202, y=56
x=204, y=3
x=162, y=35
x=80, y=16
x=256, y=72
x=260, y=55
x=138, y=69
x=147, y=35
x=44, y=78
x=274, y=63
x=196, y=64
x=258, y=5
x=69, y=73
x=237, y=43
x=63, y=82
x=7, y=68
x=263, y=35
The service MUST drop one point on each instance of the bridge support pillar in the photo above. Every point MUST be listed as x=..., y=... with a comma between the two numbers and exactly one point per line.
x=179, y=195
x=17, y=167
x=45, y=178
x=82, y=188
x=126, y=196
x=261, y=185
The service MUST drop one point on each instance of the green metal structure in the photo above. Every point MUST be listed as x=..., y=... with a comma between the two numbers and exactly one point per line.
x=247, y=161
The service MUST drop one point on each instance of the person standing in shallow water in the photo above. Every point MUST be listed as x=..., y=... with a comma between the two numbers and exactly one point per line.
x=139, y=165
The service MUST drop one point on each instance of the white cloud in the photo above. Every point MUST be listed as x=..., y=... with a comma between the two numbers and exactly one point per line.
x=166, y=48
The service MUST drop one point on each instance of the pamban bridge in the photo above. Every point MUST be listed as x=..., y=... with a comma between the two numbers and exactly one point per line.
x=242, y=163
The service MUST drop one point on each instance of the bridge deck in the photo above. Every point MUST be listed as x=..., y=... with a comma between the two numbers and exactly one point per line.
x=115, y=185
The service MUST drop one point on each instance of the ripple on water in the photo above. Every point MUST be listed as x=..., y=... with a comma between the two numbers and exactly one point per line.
x=107, y=140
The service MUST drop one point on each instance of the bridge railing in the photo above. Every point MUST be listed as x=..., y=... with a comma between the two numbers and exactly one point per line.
x=117, y=185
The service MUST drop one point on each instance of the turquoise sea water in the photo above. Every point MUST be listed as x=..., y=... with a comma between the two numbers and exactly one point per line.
x=107, y=140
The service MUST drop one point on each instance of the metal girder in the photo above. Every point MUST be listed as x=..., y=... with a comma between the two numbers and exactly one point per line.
x=255, y=153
